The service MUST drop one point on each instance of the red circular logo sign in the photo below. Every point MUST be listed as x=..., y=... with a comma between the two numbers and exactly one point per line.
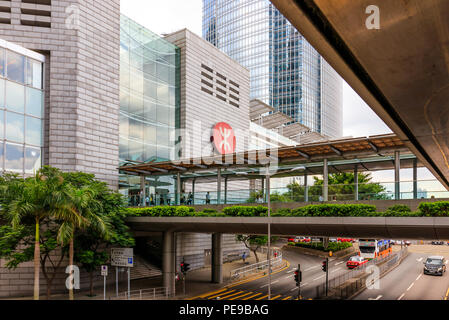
x=223, y=138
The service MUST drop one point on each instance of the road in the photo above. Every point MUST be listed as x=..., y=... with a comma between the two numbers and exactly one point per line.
x=407, y=281
x=283, y=286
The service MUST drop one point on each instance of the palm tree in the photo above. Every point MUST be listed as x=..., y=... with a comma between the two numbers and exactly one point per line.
x=35, y=199
x=81, y=211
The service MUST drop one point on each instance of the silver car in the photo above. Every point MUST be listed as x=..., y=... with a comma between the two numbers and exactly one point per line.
x=435, y=265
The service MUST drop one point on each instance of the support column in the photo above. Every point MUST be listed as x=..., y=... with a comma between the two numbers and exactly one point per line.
x=143, y=190
x=269, y=231
x=356, y=182
x=326, y=181
x=263, y=191
x=168, y=262
x=178, y=189
x=306, y=188
x=219, y=186
x=226, y=190
x=193, y=190
x=415, y=178
x=397, y=178
x=217, y=258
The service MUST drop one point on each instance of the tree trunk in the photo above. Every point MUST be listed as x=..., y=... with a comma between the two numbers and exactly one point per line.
x=71, y=297
x=255, y=254
x=49, y=283
x=91, y=283
x=37, y=255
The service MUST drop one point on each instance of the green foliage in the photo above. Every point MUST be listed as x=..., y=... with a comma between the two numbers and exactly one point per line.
x=434, y=209
x=246, y=211
x=332, y=246
x=335, y=210
x=398, y=211
x=161, y=211
x=285, y=212
x=341, y=186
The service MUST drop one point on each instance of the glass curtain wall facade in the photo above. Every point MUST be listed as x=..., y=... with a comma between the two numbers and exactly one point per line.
x=286, y=71
x=21, y=112
x=149, y=105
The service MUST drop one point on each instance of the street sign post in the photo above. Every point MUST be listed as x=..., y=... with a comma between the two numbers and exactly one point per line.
x=104, y=273
x=122, y=257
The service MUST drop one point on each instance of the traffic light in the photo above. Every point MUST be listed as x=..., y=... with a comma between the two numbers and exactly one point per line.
x=185, y=267
x=324, y=266
x=298, y=277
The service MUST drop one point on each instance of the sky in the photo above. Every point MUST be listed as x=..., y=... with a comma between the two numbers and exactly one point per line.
x=172, y=15
x=167, y=16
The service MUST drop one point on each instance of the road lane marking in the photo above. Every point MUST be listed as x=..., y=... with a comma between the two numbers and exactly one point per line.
x=274, y=298
x=339, y=263
x=336, y=269
x=447, y=294
x=319, y=277
x=287, y=298
x=254, y=295
x=241, y=296
x=266, y=285
x=420, y=259
x=446, y=261
x=263, y=297
x=208, y=294
x=418, y=277
x=311, y=268
x=378, y=297
x=402, y=296
x=288, y=277
x=410, y=286
x=231, y=295
x=220, y=294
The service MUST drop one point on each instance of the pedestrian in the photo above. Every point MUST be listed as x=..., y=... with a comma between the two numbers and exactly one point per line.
x=147, y=201
x=208, y=198
x=190, y=199
x=244, y=257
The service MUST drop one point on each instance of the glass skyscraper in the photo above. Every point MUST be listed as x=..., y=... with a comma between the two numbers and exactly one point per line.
x=286, y=71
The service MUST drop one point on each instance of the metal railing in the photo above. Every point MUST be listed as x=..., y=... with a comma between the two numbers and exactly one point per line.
x=425, y=189
x=243, y=272
x=384, y=263
x=143, y=294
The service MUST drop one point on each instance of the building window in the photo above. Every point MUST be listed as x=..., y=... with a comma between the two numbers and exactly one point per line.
x=15, y=66
x=21, y=113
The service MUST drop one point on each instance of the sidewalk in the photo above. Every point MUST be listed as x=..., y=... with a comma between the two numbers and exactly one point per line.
x=197, y=282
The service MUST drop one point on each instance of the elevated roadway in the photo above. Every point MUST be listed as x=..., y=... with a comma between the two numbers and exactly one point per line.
x=401, y=69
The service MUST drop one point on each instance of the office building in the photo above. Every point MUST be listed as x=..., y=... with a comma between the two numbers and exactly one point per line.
x=286, y=71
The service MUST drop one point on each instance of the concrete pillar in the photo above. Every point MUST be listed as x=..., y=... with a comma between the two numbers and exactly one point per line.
x=219, y=186
x=356, y=182
x=415, y=178
x=263, y=191
x=168, y=262
x=143, y=190
x=217, y=258
x=397, y=178
x=193, y=190
x=226, y=190
x=326, y=181
x=306, y=188
x=178, y=189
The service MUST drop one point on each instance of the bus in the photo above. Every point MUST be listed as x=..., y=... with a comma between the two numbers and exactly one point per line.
x=372, y=248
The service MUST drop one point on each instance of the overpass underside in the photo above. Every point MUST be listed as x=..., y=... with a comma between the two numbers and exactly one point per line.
x=400, y=69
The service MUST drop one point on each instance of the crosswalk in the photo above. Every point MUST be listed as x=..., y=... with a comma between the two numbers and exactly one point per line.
x=236, y=294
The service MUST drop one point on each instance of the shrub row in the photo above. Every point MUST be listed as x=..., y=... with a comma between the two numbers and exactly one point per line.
x=426, y=209
x=333, y=246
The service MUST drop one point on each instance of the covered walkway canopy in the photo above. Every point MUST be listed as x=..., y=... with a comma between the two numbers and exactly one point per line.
x=374, y=153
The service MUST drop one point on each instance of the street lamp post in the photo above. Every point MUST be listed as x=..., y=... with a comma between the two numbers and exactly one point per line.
x=269, y=232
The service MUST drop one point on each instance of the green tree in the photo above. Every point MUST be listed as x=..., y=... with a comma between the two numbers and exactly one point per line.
x=30, y=201
x=92, y=241
x=253, y=243
x=341, y=186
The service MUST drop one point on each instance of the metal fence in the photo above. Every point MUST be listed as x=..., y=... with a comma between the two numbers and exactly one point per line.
x=144, y=294
x=240, y=273
x=384, y=263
